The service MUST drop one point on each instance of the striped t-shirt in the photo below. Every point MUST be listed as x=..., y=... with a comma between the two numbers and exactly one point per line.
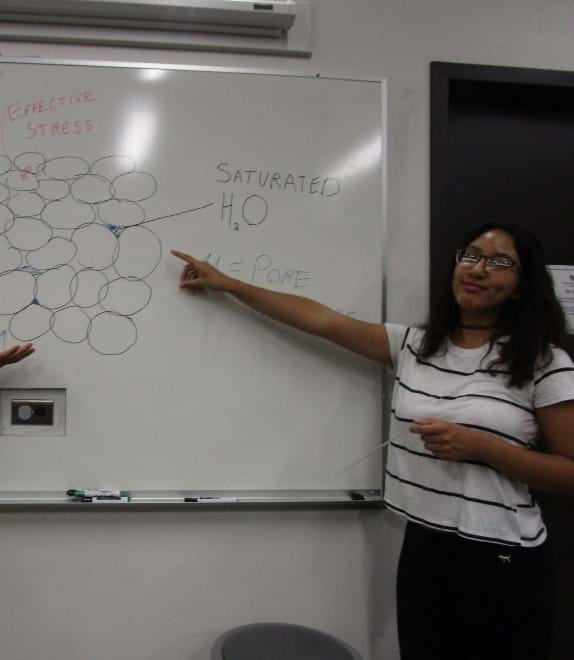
x=466, y=497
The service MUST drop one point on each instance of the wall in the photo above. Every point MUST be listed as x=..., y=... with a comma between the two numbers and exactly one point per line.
x=163, y=585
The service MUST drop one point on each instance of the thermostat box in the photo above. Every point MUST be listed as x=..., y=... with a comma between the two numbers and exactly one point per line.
x=33, y=412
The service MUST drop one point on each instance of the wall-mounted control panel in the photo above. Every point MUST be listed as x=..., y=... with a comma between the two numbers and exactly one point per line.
x=33, y=412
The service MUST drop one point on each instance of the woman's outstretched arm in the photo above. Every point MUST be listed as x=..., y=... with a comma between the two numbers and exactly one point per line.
x=367, y=339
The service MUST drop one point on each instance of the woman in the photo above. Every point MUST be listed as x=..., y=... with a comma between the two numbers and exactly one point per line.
x=474, y=389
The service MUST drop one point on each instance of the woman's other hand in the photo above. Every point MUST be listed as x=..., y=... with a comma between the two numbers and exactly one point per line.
x=450, y=441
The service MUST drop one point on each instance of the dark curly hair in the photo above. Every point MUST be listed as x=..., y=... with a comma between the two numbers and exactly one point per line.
x=534, y=320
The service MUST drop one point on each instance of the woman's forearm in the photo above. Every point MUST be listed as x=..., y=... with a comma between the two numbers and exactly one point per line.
x=297, y=311
x=367, y=339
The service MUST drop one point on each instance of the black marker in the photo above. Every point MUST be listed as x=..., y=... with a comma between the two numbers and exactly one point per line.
x=199, y=500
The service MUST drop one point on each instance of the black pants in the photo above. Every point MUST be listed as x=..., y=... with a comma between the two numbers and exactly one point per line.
x=468, y=600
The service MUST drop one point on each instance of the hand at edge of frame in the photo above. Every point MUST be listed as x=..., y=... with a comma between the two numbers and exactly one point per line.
x=16, y=353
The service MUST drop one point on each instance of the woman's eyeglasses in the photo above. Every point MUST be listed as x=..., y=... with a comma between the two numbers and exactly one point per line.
x=469, y=257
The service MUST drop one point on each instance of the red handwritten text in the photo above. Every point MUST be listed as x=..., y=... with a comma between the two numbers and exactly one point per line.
x=59, y=128
x=18, y=110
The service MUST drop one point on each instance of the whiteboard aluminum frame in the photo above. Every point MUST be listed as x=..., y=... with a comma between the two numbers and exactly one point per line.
x=175, y=500
x=33, y=59
x=247, y=500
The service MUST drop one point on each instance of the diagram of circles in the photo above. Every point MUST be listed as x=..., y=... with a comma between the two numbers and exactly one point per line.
x=28, y=233
x=111, y=334
x=30, y=162
x=97, y=246
x=6, y=218
x=10, y=258
x=5, y=164
x=68, y=214
x=125, y=296
x=139, y=253
x=86, y=286
x=26, y=204
x=17, y=180
x=91, y=189
x=53, y=190
x=4, y=193
x=71, y=324
x=110, y=167
x=134, y=187
x=53, y=287
x=16, y=291
x=65, y=167
x=121, y=214
x=31, y=323
x=75, y=248
x=56, y=252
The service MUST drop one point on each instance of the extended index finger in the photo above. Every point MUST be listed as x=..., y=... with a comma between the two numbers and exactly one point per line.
x=186, y=257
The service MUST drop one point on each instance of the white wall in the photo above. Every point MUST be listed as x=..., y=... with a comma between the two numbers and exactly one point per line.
x=162, y=586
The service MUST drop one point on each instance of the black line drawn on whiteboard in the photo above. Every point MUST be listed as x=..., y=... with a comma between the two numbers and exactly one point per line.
x=76, y=248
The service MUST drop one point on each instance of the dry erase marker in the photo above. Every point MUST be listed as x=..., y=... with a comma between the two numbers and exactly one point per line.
x=103, y=498
x=213, y=500
x=97, y=492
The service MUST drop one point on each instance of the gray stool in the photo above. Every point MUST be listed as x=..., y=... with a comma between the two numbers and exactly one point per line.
x=280, y=641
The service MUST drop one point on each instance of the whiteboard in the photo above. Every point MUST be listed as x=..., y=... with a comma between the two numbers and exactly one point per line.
x=277, y=180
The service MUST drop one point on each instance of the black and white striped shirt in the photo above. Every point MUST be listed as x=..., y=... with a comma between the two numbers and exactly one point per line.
x=466, y=497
